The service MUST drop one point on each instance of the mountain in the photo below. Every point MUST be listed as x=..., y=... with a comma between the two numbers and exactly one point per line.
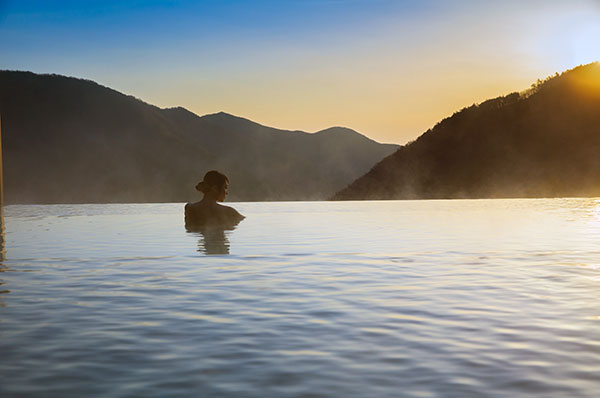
x=68, y=140
x=544, y=142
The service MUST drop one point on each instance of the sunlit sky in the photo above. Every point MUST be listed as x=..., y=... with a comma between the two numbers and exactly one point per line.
x=388, y=69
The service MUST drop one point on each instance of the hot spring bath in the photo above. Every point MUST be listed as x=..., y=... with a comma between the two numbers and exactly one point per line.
x=490, y=298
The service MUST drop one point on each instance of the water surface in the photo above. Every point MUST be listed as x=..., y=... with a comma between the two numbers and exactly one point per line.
x=489, y=298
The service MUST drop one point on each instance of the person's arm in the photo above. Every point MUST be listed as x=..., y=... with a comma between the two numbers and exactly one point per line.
x=188, y=217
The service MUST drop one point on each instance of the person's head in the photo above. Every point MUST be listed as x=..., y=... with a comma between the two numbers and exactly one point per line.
x=214, y=185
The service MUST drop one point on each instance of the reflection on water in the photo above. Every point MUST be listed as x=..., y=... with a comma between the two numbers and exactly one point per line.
x=2, y=254
x=585, y=208
x=213, y=239
x=2, y=249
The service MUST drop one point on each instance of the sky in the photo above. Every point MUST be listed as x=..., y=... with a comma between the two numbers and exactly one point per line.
x=390, y=69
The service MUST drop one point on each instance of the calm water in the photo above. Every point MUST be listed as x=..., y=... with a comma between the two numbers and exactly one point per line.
x=482, y=298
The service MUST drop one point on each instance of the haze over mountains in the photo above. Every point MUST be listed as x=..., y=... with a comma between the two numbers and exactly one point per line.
x=541, y=143
x=68, y=140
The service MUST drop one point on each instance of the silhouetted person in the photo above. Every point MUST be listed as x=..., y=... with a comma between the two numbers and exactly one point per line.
x=208, y=212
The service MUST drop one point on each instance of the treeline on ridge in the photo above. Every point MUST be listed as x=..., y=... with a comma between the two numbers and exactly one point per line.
x=544, y=142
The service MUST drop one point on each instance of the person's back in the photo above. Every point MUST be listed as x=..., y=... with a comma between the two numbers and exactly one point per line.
x=202, y=214
x=208, y=212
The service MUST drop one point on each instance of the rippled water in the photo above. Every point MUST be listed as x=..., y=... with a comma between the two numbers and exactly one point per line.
x=494, y=298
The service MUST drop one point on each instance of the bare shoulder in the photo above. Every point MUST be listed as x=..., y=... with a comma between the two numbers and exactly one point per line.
x=190, y=208
x=201, y=214
x=233, y=214
x=194, y=215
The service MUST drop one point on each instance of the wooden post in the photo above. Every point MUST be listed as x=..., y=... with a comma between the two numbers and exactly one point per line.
x=1, y=175
x=1, y=199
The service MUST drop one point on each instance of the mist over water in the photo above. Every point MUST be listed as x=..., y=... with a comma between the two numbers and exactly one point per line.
x=459, y=298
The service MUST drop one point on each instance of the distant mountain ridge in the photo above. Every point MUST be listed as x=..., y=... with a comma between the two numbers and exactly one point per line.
x=544, y=142
x=68, y=140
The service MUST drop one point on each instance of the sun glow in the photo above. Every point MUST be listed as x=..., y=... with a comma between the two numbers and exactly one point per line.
x=587, y=81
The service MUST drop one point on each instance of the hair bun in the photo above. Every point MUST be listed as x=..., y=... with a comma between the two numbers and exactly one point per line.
x=202, y=186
